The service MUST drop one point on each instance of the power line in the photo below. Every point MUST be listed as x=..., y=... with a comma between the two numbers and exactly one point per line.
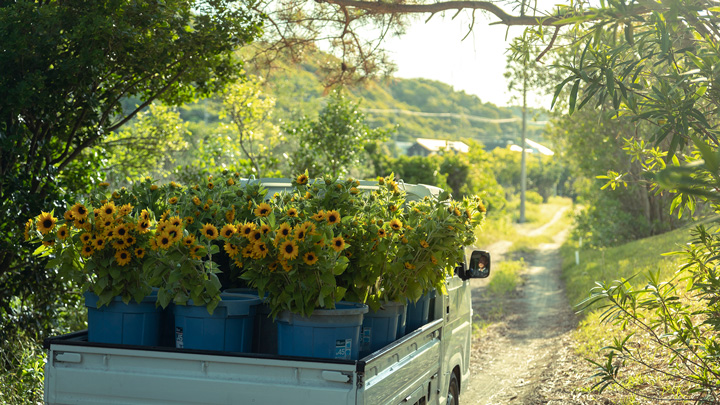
x=450, y=115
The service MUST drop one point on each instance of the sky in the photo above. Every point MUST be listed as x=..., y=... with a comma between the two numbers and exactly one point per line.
x=435, y=50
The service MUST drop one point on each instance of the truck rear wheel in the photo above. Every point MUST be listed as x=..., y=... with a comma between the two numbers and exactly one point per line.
x=453, y=397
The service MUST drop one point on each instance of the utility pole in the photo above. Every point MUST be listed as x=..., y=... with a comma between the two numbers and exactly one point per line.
x=523, y=161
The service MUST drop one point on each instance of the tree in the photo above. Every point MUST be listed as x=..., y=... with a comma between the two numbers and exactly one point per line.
x=249, y=110
x=66, y=66
x=333, y=143
x=147, y=147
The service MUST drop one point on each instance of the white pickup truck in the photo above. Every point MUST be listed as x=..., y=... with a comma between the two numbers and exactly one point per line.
x=427, y=366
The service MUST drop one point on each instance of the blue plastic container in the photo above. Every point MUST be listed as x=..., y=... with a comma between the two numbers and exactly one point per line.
x=129, y=324
x=326, y=334
x=379, y=328
x=265, y=328
x=418, y=313
x=402, y=322
x=229, y=328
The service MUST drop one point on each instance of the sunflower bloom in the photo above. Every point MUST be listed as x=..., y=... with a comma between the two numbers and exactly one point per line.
x=228, y=231
x=62, y=232
x=424, y=244
x=247, y=229
x=300, y=232
x=79, y=211
x=196, y=201
x=260, y=250
x=381, y=232
x=320, y=216
x=263, y=210
x=86, y=237
x=284, y=230
x=231, y=250
x=210, y=231
x=194, y=252
x=338, y=243
x=396, y=224
x=125, y=209
x=87, y=251
x=121, y=231
x=310, y=258
x=189, y=240
x=45, y=222
x=143, y=226
x=164, y=240
x=302, y=179
x=265, y=229
x=289, y=250
x=122, y=257
x=333, y=217
x=409, y=266
x=247, y=251
x=140, y=253
x=292, y=212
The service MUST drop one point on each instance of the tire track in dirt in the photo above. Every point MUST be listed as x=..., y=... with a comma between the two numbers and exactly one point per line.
x=508, y=362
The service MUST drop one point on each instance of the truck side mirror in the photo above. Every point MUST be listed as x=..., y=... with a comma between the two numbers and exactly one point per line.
x=479, y=264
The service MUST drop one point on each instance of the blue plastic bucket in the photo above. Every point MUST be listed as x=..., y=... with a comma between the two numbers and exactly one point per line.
x=326, y=334
x=379, y=328
x=265, y=328
x=418, y=312
x=129, y=324
x=229, y=328
x=402, y=321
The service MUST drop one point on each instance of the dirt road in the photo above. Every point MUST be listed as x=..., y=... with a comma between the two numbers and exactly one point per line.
x=511, y=362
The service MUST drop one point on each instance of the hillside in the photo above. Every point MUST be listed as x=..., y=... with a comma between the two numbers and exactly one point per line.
x=419, y=108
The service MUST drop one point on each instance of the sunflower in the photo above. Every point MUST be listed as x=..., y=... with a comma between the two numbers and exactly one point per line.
x=424, y=244
x=87, y=251
x=433, y=259
x=230, y=214
x=393, y=208
x=292, y=212
x=238, y=263
x=481, y=207
x=196, y=201
x=320, y=216
x=300, y=232
x=175, y=221
x=119, y=244
x=302, y=179
x=310, y=258
x=189, y=220
x=104, y=184
x=228, y=231
x=230, y=182
x=247, y=229
x=28, y=226
x=395, y=224
x=189, y=240
x=338, y=243
x=48, y=243
x=354, y=190
x=82, y=224
x=105, y=223
x=144, y=215
x=125, y=209
x=79, y=211
x=108, y=210
x=309, y=228
x=288, y=250
x=143, y=226
x=209, y=231
x=262, y=210
x=121, y=231
x=172, y=200
x=286, y=266
x=247, y=251
x=153, y=187
x=272, y=266
x=86, y=237
x=409, y=266
x=194, y=252
x=381, y=232
x=333, y=217
x=164, y=240
x=62, y=232
x=210, y=185
x=140, y=253
x=264, y=229
x=260, y=250
x=130, y=240
x=68, y=215
x=231, y=250
x=45, y=222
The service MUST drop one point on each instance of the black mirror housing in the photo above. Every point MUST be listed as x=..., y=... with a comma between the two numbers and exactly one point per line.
x=479, y=266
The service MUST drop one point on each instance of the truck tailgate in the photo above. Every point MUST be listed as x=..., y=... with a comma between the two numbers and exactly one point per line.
x=405, y=371
x=94, y=374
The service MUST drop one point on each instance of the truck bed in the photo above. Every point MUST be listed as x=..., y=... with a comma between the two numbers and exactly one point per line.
x=81, y=372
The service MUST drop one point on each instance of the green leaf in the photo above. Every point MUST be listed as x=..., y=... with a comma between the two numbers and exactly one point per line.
x=573, y=96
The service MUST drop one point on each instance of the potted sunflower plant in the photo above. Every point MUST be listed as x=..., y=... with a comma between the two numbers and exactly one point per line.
x=292, y=253
x=100, y=245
